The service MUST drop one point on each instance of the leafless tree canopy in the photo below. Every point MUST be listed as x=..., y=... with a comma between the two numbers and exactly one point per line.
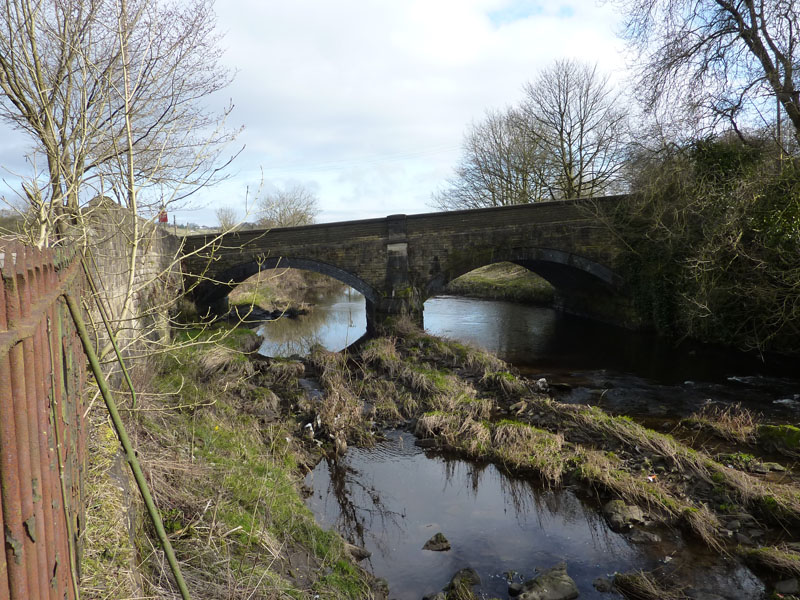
x=579, y=125
x=291, y=206
x=568, y=139
x=498, y=166
x=226, y=217
x=109, y=91
x=723, y=59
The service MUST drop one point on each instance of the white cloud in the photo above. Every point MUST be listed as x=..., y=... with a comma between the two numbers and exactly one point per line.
x=368, y=101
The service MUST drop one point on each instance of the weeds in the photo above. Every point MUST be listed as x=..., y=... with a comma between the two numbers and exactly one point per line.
x=226, y=479
x=774, y=559
x=641, y=585
x=733, y=423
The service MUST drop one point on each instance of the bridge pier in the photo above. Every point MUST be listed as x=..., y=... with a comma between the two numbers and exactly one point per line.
x=398, y=297
x=381, y=313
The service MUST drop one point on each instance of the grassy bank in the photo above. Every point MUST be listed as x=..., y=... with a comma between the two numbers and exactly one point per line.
x=222, y=455
x=503, y=281
x=282, y=289
x=225, y=438
x=465, y=401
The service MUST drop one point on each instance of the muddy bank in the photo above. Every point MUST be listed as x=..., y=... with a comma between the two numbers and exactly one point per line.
x=457, y=399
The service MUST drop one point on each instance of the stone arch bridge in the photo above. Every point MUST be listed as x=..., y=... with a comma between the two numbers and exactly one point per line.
x=399, y=261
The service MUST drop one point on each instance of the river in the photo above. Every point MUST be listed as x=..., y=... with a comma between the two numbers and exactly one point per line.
x=394, y=497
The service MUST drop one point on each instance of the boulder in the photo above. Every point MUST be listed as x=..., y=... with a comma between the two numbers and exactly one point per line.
x=603, y=585
x=438, y=543
x=621, y=516
x=638, y=536
x=553, y=584
x=357, y=552
x=464, y=579
x=788, y=587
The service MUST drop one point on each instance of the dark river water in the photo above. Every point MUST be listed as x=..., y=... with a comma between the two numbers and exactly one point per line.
x=393, y=498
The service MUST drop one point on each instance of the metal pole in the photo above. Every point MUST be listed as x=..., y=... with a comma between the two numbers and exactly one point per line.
x=130, y=454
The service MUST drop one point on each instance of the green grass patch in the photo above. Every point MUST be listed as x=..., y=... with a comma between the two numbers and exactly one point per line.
x=503, y=281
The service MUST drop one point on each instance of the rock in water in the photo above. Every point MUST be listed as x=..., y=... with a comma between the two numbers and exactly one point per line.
x=357, y=552
x=622, y=517
x=438, y=543
x=553, y=584
x=462, y=582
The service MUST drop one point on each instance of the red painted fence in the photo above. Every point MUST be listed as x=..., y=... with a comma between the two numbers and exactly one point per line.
x=42, y=425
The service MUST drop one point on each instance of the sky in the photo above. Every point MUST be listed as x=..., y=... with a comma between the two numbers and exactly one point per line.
x=366, y=102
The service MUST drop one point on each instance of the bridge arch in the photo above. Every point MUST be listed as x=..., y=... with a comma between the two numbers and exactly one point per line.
x=563, y=270
x=212, y=293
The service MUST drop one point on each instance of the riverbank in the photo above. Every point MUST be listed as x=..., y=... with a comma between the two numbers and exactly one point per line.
x=280, y=291
x=503, y=281
x=226, y=436
x=224, y=458
x=740, y=503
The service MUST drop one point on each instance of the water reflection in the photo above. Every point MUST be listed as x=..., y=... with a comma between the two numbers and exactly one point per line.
x=392, y=499
x=336, y=320
x=545, y=339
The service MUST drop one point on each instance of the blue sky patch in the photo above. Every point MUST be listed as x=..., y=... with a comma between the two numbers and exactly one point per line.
x=515, y=11
x=565, y=11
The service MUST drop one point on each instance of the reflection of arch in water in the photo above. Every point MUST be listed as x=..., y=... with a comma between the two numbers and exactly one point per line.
x=336, y=329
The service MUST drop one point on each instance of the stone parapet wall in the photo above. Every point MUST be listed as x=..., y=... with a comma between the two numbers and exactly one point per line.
x=156, y=279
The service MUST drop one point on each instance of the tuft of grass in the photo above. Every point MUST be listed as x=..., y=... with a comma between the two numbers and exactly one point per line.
x=733, y=423
x=523, y=446
x=643, y=585
x=505, y=382
x=774, y=559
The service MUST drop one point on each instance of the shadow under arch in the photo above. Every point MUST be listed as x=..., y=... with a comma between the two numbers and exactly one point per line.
x=582, y=286
x=213, y=293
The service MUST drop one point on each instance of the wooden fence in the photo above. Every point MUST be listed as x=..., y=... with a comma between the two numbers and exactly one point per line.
x=42, y=425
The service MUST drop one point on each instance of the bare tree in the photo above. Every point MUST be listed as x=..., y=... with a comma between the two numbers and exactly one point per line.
x=500, y=165
x=291, y=206
x=568, y=139
x=226, y=216
x=579, y=125
x=108, y=92
x=113, y=95
x=722, y=59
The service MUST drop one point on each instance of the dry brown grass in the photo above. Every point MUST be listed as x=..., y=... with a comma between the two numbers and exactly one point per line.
x=482, y=362
x=382, y=352
x=522, y=446
x=641, y=585
x=506, y=383
x=775, y=559
x=705, y=525
x=733, y=423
